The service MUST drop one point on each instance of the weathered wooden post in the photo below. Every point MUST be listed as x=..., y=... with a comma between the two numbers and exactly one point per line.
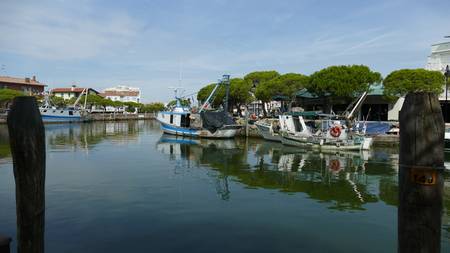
x=4, y=244
x=420, y=174
x=27, y=140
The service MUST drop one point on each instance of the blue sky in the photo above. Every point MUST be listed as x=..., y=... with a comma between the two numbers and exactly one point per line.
x=146, y=43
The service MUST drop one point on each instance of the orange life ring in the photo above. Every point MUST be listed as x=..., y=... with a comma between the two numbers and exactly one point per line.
x=335, y=131
x=335, y=165
x=253, y=116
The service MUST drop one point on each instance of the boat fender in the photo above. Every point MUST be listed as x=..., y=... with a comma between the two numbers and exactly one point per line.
x=335, y=165
x=335, y=131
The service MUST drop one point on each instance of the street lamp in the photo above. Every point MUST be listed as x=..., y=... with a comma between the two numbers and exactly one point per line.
x=447, y=75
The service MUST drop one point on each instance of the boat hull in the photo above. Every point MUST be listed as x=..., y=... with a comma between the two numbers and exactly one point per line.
x=61, y=119
x=326, y=144
x=222, y=133
x=267, y=134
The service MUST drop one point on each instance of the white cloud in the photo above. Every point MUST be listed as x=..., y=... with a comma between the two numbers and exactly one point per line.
x=61, y=33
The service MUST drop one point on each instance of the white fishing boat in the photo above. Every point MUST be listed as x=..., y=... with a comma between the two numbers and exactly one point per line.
x=269, y=129
x=332, y=136
x=205, y=124
x=295, y=132
x=52, y=114
x=293, y=123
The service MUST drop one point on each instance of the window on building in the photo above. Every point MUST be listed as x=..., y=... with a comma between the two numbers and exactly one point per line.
x=171, y=119
x=70, y=112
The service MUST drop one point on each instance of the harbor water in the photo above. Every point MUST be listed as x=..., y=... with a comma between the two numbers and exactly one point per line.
x=126, y=187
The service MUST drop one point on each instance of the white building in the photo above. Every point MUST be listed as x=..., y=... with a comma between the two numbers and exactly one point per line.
x=123, y=94
x=68, y=93
x=439, y=59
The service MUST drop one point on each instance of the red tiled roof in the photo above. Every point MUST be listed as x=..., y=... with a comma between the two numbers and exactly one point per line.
x=25, y=81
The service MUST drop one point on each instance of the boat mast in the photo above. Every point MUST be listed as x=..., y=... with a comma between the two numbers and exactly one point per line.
x=225, y=79
x=85, y=99
x=79, y=97
x=357, y=106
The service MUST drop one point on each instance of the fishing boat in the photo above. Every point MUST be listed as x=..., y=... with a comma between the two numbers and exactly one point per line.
x=182, y=121
x=333, y=135
x=52, y=114
x=269, y=129
x=293, y=123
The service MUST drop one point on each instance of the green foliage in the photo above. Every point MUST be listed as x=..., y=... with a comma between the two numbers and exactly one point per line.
x=184, y=102
x=400, y=82
x=131, y=106
x=343, y=81
x=240, y=92
x=6, y=95
x=284, y=85
x=259, y=77
x=58, y=101
x=204, y=92
x=93, y=99
x=152, y=107
x=263, y=82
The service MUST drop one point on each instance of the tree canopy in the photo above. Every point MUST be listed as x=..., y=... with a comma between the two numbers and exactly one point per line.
x=259, y=77
x=283, y=85
x=6, y=95
x=400, y=82
x=58, y=101
x=183, y=101
x=239, y=93
x=343, y=81
x=152, y=107
x=204, y=92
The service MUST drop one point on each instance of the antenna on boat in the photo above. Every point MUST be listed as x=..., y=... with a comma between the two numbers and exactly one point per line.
x=180, y=74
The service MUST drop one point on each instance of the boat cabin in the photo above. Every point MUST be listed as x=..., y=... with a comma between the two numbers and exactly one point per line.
x=180, y=119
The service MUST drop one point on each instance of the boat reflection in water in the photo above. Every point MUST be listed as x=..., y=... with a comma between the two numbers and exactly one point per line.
x=343, y=180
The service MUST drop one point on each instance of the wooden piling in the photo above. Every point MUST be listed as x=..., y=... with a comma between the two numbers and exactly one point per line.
x=421, y=165
x=27, y=140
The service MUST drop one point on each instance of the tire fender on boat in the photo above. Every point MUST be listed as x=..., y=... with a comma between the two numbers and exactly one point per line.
x=335, y=131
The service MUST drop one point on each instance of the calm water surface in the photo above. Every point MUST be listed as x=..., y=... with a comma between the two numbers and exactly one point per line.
x=125, y=187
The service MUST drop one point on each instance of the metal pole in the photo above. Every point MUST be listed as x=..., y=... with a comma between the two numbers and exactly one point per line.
x=226, y=80
x=447, y=74
x=446, y=92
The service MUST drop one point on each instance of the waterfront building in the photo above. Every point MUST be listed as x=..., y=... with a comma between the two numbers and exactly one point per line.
x=28, y=85
x=72, y=92
x=438, y=60
x=123, y=94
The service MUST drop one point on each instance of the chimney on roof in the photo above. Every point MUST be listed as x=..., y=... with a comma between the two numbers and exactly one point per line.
x=27, y=79
x=34, y=79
